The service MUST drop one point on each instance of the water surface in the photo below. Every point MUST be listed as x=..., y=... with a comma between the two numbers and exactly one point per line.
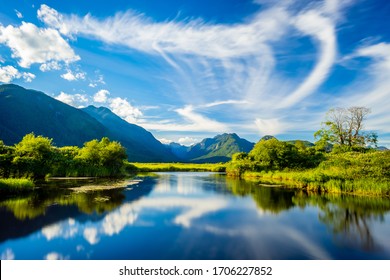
x=192, y=216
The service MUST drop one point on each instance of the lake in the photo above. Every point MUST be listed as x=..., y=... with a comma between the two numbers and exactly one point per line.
x=191, y=216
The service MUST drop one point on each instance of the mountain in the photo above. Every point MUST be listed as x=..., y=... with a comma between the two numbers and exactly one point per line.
x=267, y=137
x=178, y=150
x=140, y=144
x=24, y=111
x=382, y=148
x=304, y=142
x=218, y=149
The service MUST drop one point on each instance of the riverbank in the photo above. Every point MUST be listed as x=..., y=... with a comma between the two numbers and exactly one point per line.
x=181, y=167
x=323, y=182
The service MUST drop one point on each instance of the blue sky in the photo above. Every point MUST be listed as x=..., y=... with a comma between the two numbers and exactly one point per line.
x=186, y=70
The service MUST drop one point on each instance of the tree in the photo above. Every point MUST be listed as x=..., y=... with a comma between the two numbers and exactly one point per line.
x=33, y=156
x=274, y=154
x=6, y=157
x=105, y=154
x=344, y=127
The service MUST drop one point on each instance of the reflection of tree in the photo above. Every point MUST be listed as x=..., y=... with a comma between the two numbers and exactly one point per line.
x=348, y=216
x=274, y=200
x=35, y=205
x=20, y=216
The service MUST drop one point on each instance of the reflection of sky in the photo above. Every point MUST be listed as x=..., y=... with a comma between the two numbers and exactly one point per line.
x=181, y=219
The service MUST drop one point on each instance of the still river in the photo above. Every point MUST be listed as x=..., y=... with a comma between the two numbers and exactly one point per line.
x=191, y=216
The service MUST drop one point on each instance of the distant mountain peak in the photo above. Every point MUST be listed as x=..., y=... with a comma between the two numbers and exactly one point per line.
x=220, y=148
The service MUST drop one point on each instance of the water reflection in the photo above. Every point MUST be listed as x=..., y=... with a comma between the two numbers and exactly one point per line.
x=349, y=217
x=193, y=216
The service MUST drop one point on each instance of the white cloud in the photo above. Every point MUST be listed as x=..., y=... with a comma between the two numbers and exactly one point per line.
x=52, y=18
x=372, y=89
x=187, y=141
x=18, y=14
x=115, y=222
x=64, y=230
x=75, y=100
x=8, y=254
x=73, y=76
x=164, y=140
x=91, y=235
x=31, y=44
x=51, y=65
x=269, y=126
x=234, y=64
x=10, y=73
x=101, y=96
x=124, y=109
x=226, y=102
x=380, y=52
x=200, y=122
x=99, y=80
x=321, y=28
x=195, y=37
x=192, y=121
x=55, y=256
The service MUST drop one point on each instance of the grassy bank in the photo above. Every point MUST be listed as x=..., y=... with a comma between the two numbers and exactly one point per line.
x=184, y=167
x=360, y=173
x=12, y=185
x=323, y=181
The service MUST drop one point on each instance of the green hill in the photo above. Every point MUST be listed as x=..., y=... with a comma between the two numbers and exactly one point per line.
x=218, y=149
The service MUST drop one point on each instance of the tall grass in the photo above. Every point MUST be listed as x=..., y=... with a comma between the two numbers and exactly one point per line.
x=184, y=167
x=12, y=185
x=324, y=181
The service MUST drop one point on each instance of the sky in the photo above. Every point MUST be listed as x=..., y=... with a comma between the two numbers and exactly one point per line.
x=187, y=70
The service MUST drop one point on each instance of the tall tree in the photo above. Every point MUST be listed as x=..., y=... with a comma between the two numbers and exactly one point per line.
x=33, y=156
x=344, y=126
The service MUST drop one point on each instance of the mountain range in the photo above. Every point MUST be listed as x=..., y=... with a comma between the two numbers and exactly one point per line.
x=217, y=149
x=23, y=111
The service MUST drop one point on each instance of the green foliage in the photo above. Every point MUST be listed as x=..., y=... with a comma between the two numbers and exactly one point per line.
x=105, y=157
x=33, y=156
x=240, y=163
x=352, y=172
x=6, y=158
x=343, y=127
x=12, y=185
x=274, y=154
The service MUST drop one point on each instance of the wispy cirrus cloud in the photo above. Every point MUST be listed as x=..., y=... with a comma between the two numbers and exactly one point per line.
x=372, y=89
x=227, y=60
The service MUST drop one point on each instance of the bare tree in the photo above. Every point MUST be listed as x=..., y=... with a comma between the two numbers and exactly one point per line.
x=345, y=127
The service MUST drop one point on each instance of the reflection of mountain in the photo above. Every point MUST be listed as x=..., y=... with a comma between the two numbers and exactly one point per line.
x=23, y=216
x=349, y=217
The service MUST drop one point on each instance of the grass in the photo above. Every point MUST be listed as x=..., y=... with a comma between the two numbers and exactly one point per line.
x=183, y=167
x=325, y=181
x=12, y=185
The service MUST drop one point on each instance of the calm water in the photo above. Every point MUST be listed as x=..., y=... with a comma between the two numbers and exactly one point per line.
x=192, y=216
